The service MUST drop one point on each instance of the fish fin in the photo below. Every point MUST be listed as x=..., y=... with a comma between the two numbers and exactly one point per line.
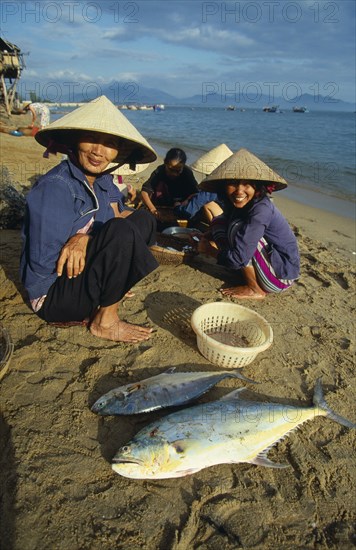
x=262, y=460
x=232, y=395
x=171, y=370
x=319, y=401
x=238, y=374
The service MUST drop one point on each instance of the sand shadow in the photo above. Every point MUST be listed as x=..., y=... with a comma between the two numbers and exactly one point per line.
x=8, y=483
x=172, y=311
x=209, y=266
x=10, y=259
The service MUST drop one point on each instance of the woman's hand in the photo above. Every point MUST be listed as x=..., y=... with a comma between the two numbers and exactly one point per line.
x=125, y=213
x=73, y=253
x=155, y=213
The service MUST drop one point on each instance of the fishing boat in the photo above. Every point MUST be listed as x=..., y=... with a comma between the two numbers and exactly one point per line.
x=300, y=110
x=271, y=109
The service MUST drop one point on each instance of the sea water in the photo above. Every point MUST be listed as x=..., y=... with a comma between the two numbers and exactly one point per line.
x=313, y=151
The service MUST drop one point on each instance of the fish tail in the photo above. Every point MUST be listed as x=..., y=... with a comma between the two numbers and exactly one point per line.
x=238, y=374
x=319, y=401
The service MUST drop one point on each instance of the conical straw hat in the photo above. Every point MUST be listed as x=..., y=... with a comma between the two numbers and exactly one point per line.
x=211, y=160
x=243, y=165
x=100, y=115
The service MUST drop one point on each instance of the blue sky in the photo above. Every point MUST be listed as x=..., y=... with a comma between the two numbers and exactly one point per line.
x=275, y=47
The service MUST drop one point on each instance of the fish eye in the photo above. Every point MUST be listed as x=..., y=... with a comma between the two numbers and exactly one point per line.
x=125, y=449
x=98, y=405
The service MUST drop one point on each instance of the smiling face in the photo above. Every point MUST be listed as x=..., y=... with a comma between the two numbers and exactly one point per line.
x=95, y=152
x=240, y=192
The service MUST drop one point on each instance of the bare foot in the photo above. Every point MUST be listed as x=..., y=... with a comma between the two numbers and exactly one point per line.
x=245, y=292
x=119, y=331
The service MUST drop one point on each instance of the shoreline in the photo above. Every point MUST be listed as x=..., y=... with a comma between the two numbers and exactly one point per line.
x=321, y=202
x=321, y=225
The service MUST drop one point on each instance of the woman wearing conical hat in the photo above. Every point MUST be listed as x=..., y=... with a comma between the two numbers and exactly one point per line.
x=251, y=235
x=80, y=257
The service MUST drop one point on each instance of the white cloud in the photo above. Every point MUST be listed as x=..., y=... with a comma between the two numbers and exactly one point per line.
x=69, y=75
x=30, y=73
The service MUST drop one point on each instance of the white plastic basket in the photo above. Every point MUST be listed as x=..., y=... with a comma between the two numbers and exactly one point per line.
x=230, y=335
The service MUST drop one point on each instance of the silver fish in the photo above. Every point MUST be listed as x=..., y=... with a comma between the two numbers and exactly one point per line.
x=167, y=389
x=226, y=431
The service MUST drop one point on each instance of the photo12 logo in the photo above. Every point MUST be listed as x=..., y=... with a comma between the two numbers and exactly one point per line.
x=69, y=12
x=253, y=92
x=270, y=12
x=77, y=92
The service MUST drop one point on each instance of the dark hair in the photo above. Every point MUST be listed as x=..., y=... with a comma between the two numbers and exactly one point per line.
x=176, y=154
x=260, y=188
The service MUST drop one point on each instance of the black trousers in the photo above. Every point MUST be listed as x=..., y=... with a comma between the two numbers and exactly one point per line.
x=117, y=258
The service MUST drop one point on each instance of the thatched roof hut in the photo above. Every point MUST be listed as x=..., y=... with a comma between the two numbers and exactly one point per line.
x=11, y=65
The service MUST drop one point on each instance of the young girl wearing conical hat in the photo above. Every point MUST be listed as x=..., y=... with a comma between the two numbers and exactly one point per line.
x=251, y=235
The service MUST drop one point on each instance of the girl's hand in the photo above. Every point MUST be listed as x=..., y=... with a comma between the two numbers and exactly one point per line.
x=73, y=253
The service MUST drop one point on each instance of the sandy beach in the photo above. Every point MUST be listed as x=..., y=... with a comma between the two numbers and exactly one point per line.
x=57, y=488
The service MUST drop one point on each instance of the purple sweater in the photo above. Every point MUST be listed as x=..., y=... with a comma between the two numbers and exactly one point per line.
x=238, y=233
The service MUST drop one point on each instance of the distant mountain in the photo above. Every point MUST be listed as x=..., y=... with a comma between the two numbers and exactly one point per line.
x=320, y=102
x=133, y=92
x=313, y=103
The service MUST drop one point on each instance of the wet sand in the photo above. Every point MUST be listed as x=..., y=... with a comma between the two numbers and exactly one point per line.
x=57, y=489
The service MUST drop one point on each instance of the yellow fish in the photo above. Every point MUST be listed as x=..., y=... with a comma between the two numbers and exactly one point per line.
x=229, y=430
